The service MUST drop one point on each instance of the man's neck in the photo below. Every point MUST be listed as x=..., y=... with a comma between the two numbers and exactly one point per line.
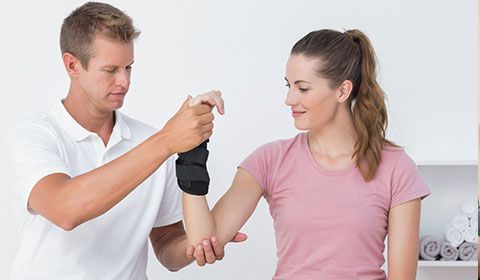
x=90, y=116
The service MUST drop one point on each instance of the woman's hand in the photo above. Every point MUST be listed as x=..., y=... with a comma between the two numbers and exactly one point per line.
x=212, y=98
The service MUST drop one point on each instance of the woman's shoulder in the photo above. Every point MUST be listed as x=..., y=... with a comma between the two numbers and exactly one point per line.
x=280, y=146
x=389, y=150
x=394, y=156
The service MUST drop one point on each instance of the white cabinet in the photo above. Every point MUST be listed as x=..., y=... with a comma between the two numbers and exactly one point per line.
x=452, y=183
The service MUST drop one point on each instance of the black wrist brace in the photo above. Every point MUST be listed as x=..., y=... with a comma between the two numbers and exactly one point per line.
x=191, y=169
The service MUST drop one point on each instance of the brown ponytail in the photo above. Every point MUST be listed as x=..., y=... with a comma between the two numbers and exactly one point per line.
x=350, y=56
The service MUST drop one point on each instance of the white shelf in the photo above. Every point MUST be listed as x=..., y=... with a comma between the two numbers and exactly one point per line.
x=447, y=162
x=452, y=182
x=447, y=264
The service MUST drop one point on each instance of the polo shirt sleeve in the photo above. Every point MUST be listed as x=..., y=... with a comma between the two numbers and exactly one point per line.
x=32, y=154
x=170, y=210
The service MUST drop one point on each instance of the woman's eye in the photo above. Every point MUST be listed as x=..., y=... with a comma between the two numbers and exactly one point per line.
x=303, y=89
x=287, y=85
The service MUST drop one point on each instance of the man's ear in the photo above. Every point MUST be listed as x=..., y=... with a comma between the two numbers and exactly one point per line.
x=72, y=64
x=344, y=91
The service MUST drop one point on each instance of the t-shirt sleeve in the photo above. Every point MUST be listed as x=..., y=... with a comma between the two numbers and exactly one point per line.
x=32, y=154
x=407, y=183
x=259, y=165
x=170, y=210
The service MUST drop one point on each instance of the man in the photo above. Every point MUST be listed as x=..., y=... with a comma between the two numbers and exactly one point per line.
x=94, y=183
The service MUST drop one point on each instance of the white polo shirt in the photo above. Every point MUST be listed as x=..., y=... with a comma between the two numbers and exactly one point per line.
x=111, y=246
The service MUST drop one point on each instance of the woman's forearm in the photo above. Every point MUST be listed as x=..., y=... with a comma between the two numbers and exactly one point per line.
x=199, y=221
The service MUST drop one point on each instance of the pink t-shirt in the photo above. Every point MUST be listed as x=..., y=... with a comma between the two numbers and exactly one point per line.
x=330, y=224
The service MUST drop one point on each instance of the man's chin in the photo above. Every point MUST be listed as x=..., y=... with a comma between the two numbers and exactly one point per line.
x=113, y=106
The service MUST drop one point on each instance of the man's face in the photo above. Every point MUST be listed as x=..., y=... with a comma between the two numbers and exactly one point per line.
x=107, y=79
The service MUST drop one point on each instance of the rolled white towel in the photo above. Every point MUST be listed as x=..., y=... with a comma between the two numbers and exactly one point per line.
x=474, y=222
x=460, y=222
x=448, y=252
x=469, y=208
x=453, y=235
x=468, y=251
x=470, y=235
x=429, y=248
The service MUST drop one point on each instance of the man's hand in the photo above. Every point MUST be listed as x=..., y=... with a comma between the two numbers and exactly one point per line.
x=193, y=123
x=189, y=127
x=210, y=250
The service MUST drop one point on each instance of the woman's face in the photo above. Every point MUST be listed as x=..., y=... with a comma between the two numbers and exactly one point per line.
x=313, y=102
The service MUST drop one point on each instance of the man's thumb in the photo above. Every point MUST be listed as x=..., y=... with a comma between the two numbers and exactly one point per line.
x=239, y=237
x=186, y=102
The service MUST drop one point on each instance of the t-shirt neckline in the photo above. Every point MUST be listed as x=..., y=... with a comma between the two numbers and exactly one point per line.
x=317, y=166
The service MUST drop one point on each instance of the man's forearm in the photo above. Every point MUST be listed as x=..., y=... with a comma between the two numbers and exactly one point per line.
x=93, y=193
x=171, y=250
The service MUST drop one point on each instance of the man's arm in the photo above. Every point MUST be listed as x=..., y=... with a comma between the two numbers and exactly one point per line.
x=170, y=246
x=69, y=202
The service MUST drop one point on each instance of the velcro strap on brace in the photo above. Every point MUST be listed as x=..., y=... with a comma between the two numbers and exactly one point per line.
x=191, y=170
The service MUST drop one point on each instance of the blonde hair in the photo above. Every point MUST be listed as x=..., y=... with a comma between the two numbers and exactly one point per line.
x=92, y=19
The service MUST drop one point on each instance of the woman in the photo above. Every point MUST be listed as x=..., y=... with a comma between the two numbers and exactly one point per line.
x=337, y=190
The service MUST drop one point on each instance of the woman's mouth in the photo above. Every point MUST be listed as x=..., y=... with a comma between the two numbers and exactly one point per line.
x=297, y=113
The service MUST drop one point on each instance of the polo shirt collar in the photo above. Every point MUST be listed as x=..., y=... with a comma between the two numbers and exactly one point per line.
x=121, y=125
x=78, y=132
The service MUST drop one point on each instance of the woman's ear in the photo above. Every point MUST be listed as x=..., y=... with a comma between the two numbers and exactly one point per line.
x=344, y=91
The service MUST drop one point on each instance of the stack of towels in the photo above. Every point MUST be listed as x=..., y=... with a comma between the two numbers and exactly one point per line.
x=459, y=241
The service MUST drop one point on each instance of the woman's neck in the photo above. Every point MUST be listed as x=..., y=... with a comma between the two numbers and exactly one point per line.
x=336, y=140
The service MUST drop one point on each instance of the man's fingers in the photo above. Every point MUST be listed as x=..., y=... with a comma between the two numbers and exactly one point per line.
x=207, y=135
x=207, y=248
x=206, y=128
x=217, y=248
x=199, y=255
x=206, y=118
x=201, y=109
x=189, y=253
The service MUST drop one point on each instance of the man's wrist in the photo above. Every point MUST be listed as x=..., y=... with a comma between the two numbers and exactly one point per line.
x=162, y=145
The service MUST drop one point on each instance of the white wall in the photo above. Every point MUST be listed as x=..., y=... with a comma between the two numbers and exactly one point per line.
x=428, y=68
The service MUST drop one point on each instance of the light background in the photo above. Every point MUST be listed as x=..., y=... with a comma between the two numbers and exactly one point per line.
x=428, y=67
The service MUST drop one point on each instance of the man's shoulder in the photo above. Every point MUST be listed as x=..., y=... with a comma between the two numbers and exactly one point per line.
x=33, y=130
x=36, y=122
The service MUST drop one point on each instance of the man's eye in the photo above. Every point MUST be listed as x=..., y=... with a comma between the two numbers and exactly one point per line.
x=110, y=71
